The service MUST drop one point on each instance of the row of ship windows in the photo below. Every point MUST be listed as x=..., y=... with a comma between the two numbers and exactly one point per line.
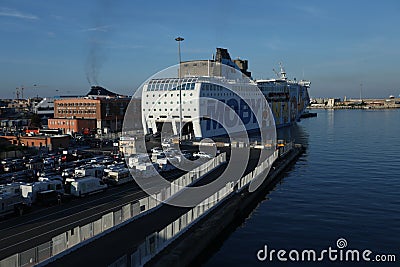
x=190, y=102
x=211, y=87
x=172, y=102
x=217, y=94
x=215, y=87
x=204, y=94
x=172, y=95
x=171, y=109
x=169, y=86
x=187, y=86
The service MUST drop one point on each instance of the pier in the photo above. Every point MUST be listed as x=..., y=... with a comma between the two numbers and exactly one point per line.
x=190, y=247
x=135, y=244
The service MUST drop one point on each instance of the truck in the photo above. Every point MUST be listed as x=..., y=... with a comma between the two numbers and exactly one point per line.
x=145, y=170
x=90, y=170
x=48, y=197
x=10, y=203
x=137, y=159
x=119, y=176
x=29, y=191
x=165, y=165
x=11, y=200
x=113, y=167
x=87, y=185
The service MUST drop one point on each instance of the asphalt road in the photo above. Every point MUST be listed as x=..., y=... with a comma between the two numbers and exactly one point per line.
x=18, y=234
x=125, y=240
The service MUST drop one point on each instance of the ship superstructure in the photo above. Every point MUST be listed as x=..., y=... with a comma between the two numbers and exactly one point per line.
x=288, y=99
x=226, y=81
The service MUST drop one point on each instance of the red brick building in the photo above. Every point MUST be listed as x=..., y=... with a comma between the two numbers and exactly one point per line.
x=40, y=141
x=100, y=109
x=70, y=126
x=73, y=115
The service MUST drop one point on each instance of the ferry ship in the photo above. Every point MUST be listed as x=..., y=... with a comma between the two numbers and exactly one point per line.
x=226, y=81
x=288, y=99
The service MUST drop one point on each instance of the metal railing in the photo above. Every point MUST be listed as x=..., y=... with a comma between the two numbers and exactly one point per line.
x=81, y=235
x=157, y=241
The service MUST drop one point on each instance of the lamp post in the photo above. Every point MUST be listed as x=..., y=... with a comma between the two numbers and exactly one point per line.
x=179, y=40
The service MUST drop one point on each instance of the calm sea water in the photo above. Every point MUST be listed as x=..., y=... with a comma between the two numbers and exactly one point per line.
x=347, y=185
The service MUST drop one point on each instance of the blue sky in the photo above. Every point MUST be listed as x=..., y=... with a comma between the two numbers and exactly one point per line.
x=335, y=44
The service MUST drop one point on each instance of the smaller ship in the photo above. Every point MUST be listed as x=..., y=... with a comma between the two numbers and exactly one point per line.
x=288, y=99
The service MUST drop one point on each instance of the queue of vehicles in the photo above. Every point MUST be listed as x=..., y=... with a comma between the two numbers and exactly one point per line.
x=53, y=181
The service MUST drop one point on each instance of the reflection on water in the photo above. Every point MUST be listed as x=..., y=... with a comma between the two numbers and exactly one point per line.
x=294, y=133
x=346, y=185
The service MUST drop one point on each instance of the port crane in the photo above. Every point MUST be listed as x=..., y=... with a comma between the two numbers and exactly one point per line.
x=20, y=90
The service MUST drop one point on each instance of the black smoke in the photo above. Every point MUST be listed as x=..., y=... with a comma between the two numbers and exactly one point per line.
x=98, y=36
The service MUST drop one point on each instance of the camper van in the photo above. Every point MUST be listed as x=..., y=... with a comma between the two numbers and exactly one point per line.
x=90, y=170
x=113, y=167
x=10, y=203
x=29, y=191
x=10, y=199
x=87, y=185
x=137, y=159
x=145, y=170
x=119, y=176
x=165, y=165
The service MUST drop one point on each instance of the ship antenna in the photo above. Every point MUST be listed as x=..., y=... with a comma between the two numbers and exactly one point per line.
x=283, y=72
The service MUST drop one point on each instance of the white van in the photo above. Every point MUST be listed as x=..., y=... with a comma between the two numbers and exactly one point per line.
x=90, y=170
x=10, y=199
x=29, y=191
x=138, y=159
x=145, y=170
x=165, y=165
x=87, y=185
x=10, y=203
x=119, y=176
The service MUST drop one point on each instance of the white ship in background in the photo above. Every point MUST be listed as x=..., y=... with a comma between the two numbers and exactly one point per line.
x=288, y=99
x=201, y=79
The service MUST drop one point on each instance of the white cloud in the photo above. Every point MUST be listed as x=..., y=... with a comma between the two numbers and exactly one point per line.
x=8, y=12
x=103, y=28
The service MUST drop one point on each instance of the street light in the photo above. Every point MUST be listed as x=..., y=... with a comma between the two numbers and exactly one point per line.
x=179, y=40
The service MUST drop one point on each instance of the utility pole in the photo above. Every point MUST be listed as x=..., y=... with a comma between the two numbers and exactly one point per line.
x=179, y=40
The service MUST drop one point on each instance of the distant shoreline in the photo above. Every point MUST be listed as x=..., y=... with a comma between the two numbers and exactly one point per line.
x=337, y=103
x=354, y=107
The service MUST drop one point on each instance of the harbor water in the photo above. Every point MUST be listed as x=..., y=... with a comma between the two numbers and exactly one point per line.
x=345, y=187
